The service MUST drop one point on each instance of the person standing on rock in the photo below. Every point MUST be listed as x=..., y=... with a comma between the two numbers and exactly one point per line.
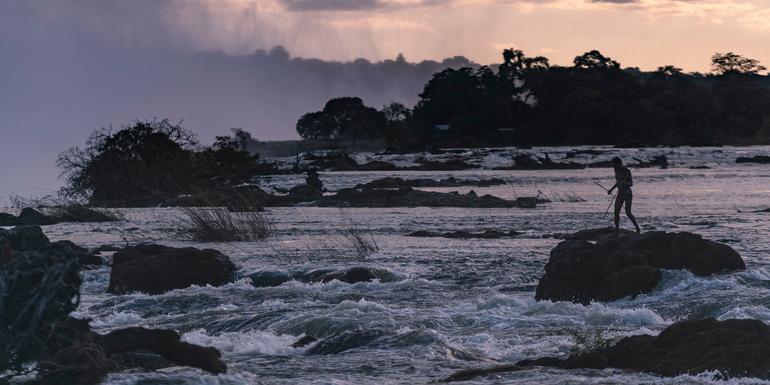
x=623, y=181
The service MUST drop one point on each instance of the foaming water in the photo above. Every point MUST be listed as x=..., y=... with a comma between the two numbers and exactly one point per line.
x=442, y=305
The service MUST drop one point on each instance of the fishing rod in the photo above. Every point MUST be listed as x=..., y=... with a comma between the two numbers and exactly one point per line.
x=611, y=200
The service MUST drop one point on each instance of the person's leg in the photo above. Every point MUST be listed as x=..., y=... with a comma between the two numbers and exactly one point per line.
x=618, y=205
x=629, y=202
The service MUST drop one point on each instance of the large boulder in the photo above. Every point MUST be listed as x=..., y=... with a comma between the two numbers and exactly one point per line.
x=616, y=267
x=156, y=269
x=30, y=216
x=729, y=348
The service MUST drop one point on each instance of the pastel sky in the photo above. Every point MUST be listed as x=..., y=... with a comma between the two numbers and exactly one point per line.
x=68, y=67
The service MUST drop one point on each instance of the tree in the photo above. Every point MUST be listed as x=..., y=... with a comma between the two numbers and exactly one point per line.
x=342, y=118
x=668, y=71
x=730, y=62
x=595, y=60
x=145, y=162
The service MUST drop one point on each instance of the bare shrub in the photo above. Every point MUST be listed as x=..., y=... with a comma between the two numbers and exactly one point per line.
x=569, y=196
x=232, y=217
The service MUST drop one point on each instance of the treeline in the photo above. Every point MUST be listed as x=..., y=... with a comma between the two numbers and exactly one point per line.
x=527, y=101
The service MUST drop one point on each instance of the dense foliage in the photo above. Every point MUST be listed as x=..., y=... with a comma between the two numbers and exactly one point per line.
x=528, y=101
x=147, y=163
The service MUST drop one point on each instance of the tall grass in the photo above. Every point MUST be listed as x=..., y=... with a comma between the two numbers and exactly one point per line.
x=239, y=217
x=61, y=209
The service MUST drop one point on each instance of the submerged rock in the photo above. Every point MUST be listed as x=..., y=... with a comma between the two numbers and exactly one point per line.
x=344, y=341
x=156, y=269
x=731, y=348
x=616, y=267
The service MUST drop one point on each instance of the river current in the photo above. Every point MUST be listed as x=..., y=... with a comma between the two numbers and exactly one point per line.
x=448, y=304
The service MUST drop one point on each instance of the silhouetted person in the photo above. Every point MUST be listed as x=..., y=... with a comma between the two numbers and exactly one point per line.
x=623, y=181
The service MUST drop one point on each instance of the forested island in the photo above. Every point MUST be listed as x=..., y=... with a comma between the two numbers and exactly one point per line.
x=527, y=101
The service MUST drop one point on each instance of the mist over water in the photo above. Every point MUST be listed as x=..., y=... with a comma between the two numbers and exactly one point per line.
x=69, y=68
x=446, y=304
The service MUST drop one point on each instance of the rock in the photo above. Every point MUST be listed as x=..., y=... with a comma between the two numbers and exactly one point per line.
x=455, y=164
x=351, y=275
x=269, y=278
x=31, y=238
x=304, y=341
x=408, y=197
x=30, y=216
x=332, y=161
x=730, y=348
x=395, y=182
x=166, y=343
x=24, y=238
x=462, y=234
x=377, y=165
x=616, y=267
x=761, y=159
x=71, y=250
x=7, y=219
x=156, y=269
x=593, y=234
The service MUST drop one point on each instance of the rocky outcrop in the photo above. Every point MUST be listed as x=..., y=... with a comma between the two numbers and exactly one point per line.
x=730, y=348
x=531, y=162
x=38, y=290
x=616, y=267
x=156, y=269
x=395, y=182
x=28, y=216
x=462, y=234
x=31, y=238
x=120, y=343
x=408, y=197
x=592, y=234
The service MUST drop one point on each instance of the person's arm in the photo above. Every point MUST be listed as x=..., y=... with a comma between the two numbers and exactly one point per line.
x=612, y=188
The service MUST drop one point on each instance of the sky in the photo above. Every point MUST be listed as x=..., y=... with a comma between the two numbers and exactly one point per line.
x=68, y=67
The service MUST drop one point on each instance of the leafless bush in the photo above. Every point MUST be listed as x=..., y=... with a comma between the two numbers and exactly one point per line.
x=240, y=217
x=66, y=209
x=352, y=241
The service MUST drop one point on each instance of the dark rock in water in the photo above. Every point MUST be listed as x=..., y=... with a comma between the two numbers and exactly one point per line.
x=348, y=275
x=341, y=342
x=593, y=234
x=732, y=348
x=462, y=234
x=106, y=248
x=31, y=238
x=332, y=161
x=7, y=219
x=269, y=278
x=24, y=238
x=72, y=250
x=761, y=159
x=30, y=216
x=615, y=267
x=351, y=275
x=377, y=165
x=165, y=343
x=38, y=291
x=396, y=182
x=156, y=269
x=529, y=162
x=304, y=341
x=408, y=197
x=455, y=164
